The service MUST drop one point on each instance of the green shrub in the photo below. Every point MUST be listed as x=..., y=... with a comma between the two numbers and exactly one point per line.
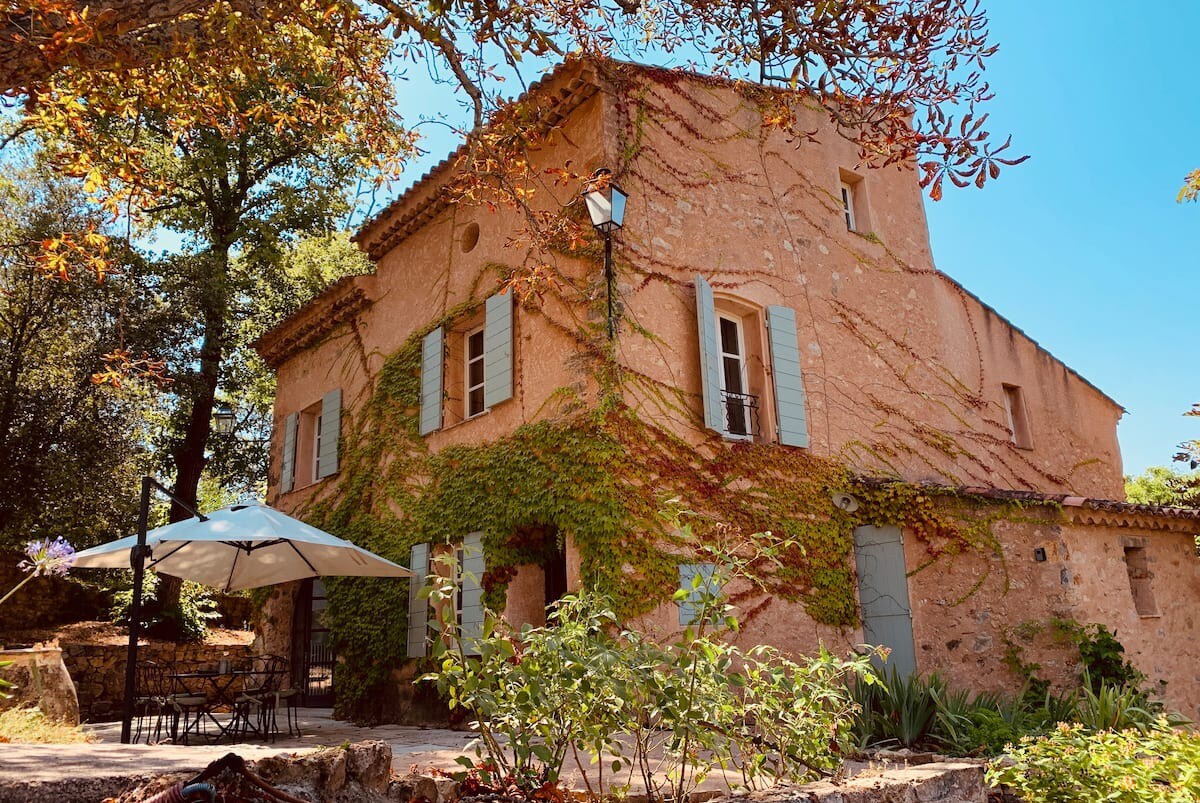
x=1075, y=765
x=196, y=609
x=1103, y=659
x=573, y=689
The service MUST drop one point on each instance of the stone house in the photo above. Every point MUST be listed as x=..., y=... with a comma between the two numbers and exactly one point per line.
x=786, y=358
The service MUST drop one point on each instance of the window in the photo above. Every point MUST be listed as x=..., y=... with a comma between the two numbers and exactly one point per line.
x=308, y=447
x=847, y=191
x=316, y=452
x=473, y=360
x=734, y=382
x=1017, y=416
x=310, y=443
x=1140, y=577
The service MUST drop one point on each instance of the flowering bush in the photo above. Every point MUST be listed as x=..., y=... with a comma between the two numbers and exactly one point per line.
x=1075, y=765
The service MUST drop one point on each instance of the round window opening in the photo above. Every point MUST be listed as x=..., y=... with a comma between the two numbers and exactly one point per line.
x=470, y=237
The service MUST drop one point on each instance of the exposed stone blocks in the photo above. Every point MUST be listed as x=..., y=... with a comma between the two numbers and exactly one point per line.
x=99, y=669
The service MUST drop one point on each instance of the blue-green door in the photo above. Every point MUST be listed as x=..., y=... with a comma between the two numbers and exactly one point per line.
x=883, y=594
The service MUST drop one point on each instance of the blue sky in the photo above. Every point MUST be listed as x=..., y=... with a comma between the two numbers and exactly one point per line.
x=1083, y=246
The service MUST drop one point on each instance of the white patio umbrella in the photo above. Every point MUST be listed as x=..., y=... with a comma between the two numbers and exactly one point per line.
x=243, y=546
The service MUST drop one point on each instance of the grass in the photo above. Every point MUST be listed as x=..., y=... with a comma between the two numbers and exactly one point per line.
x=31, y=726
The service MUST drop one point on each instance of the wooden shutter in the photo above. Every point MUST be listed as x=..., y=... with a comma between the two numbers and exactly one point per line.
x=883, y=595
x=331, y=427
x=498, y=349
x=418, y=606
x=473, y=567
x=691, y=608
x=710, y=357
x=431, y=382
x=789, y=386
x=287, y=474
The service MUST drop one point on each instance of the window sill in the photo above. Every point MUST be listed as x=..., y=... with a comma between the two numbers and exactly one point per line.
x=465, y=421
x=310, y=485
x=1149, y=615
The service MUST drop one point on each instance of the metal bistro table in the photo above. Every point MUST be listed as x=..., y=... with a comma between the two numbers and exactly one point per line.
x=228, y=690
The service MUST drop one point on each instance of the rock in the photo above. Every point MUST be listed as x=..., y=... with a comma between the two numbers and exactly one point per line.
x=447, y=790
x=370, y=765
x=421, y=788
x=41, y=679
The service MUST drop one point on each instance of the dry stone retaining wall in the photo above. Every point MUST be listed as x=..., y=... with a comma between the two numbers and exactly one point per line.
x=99, y=669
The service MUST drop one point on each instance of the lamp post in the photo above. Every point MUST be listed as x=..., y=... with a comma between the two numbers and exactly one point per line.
x=606, y=207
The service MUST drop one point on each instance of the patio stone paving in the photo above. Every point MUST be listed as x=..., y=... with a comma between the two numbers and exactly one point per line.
x=109, y=759
x=424, y=747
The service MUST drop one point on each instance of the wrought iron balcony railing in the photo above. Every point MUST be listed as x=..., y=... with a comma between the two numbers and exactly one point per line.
x=741, y=414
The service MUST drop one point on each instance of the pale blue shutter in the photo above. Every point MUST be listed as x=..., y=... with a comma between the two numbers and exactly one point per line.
x=331, y=426
x=691, y=608
x=498, y=349
x=789, y=386
x=418, y=605
x=883, y=595
x=710, y=357
x=473, y=567
x=287, y=474
x=431, y=382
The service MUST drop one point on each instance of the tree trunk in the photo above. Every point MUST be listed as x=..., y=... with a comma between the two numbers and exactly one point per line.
x=190, y=454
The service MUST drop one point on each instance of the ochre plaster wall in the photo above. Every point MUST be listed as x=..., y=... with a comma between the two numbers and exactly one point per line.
x=903, y=369
x=419, y=282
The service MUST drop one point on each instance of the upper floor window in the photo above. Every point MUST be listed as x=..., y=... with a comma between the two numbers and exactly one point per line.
x=467, y=370
x=848, y=206
x=747, y=361
x=316, y=447
x=1017, y=416
x=310, y=443
x=739, y=405
x=852, y=194
x=474, y=374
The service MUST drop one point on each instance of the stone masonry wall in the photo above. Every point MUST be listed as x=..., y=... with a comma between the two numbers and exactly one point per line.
x=99, y=669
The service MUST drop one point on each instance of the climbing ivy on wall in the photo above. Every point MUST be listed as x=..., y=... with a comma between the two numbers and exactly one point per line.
x=600, y=476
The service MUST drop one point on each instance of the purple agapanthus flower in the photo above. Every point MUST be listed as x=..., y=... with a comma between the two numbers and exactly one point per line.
x=47, y=557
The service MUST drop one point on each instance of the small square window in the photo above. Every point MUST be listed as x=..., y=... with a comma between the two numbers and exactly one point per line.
x=1017, y=417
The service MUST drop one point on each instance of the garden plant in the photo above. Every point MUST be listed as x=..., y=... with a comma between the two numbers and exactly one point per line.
x=630, y=711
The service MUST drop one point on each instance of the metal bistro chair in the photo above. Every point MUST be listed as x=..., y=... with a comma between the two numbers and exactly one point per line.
x=287, y=696
x=149, y=700
x=258, y=698
x=184, y=705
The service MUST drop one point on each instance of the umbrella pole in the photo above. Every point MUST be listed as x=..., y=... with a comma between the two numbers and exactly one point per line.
x=137, y=559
